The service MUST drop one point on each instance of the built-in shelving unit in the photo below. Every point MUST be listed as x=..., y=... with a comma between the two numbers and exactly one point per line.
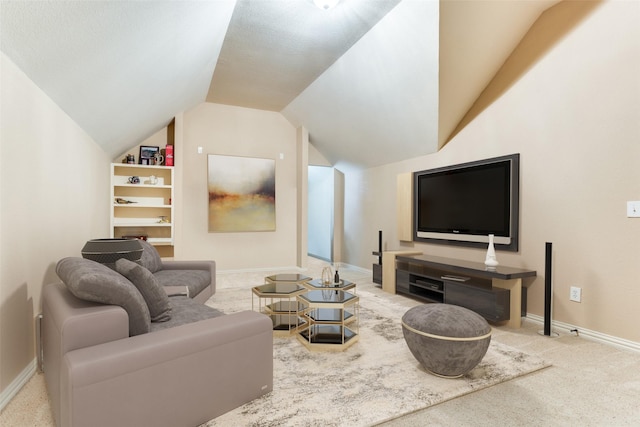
x=144, y=208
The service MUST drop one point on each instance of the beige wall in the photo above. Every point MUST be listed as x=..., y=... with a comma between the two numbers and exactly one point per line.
x=234, y=131
x=574, y=115
x=53, y=181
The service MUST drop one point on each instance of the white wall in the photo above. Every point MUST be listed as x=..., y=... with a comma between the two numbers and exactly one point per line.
x=54, y=186
x=234, y=131
x=573, y=112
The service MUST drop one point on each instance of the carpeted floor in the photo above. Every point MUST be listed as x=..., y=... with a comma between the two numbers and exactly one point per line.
x=374, y=380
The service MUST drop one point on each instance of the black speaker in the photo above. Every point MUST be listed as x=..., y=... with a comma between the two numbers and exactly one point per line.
x=548, y=291
x=377, y=268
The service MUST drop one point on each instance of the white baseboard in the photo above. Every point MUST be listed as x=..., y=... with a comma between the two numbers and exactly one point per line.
x=565, y=327
x=356, y=268
x=589, y=334
x=260, y=270
x=341, y=265
x=17, y=384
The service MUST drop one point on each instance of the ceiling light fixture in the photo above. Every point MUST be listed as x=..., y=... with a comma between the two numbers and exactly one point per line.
x=325, y=4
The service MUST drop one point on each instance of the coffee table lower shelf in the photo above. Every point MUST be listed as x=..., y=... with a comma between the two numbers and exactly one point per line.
x=284, y=324
x=279, y=302
x=327, y=337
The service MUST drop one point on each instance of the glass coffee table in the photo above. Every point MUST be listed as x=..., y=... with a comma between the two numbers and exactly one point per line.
x=343, y=285
x=331, y=319
x=278, y=301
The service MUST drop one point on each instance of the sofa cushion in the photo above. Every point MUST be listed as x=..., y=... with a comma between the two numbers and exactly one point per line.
x=91, y=281
x=150, y=257
x=195, y=280
x=186, y=310
x=155, y=297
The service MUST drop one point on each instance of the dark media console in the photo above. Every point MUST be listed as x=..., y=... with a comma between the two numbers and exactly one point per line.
x=497, y=295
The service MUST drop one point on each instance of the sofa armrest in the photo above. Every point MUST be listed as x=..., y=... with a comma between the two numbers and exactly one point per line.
x=193, y=265
x=204, y=369
x=189, y=265
x=69, y=323
x=79, y=323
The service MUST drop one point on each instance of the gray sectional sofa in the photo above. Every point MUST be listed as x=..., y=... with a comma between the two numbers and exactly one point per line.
x=106, y=363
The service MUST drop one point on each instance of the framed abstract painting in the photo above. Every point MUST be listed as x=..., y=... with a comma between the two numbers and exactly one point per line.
x=242, y=194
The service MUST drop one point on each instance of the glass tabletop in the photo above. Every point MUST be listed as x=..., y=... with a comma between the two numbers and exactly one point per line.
x=278, y=288
x=288, y=277
x=343, y=284
x=328, y=295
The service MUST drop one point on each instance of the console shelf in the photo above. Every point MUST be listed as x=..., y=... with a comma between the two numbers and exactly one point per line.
x=494, y=294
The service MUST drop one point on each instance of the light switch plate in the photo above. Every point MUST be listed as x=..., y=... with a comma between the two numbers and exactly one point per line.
x=633, y=209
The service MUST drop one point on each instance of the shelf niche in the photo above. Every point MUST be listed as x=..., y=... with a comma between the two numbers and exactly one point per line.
x=143, y=209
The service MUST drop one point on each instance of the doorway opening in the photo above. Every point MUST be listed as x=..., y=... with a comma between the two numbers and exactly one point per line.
x=325, y=213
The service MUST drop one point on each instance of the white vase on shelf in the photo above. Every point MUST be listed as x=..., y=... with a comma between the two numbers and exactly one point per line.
x=491, y=261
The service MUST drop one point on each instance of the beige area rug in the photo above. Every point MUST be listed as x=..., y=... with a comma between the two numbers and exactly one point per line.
x=374, y=380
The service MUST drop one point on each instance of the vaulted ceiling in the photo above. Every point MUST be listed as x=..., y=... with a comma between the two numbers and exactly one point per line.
x=374, y=81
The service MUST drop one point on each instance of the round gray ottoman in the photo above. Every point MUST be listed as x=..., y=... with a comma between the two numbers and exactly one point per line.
x=447, y=340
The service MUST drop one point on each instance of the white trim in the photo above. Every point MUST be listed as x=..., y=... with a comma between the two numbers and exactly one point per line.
x=589, y=334
x=341, y=266
x=356, y=268
x=17, y=384
x=260, y=270
x=566, y=327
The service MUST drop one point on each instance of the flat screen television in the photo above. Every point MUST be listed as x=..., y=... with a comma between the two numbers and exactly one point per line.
x=462, y=204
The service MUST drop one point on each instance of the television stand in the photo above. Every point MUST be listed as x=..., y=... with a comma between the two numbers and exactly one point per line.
x=496, y=294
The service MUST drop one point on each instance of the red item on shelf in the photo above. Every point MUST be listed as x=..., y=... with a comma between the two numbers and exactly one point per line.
x=168, y=155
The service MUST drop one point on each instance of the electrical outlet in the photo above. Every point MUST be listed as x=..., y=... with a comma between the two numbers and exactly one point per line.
x=633, y=209
x=575, y=294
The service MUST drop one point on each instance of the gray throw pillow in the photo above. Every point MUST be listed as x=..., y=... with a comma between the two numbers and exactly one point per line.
x=155, y=297
x=150, y=257
x=92, y=281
